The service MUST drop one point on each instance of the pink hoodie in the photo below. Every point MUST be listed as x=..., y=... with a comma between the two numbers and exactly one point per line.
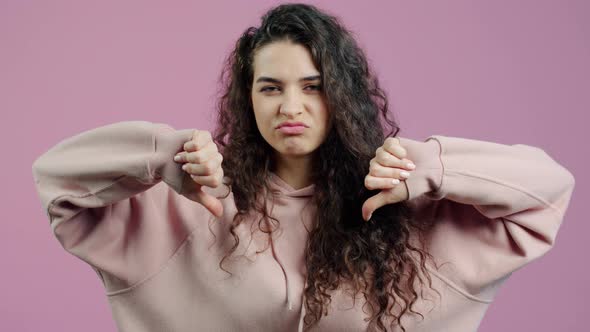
x=114, y=199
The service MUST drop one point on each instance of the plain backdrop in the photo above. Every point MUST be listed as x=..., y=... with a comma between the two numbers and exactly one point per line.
x=507, y=71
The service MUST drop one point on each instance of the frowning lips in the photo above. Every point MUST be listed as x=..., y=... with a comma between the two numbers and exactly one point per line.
x=291, y=124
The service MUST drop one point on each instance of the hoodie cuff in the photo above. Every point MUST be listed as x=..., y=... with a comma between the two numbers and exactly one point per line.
x=167, y=142
x=427, y=177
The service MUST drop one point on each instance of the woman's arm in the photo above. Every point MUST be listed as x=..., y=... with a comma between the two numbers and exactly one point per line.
x=96, y=188
x=494, y=207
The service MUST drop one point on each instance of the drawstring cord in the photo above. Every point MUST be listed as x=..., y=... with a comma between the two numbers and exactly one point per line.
x=302, y=315
x=289, y=304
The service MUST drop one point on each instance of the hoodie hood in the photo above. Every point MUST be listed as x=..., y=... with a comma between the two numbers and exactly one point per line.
x=278, y=184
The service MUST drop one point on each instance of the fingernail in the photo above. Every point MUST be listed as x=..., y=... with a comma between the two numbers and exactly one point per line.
x=395, y=181
x=185, y=166
x=176, y=158
x=411, y=165
x=370, y=216
x=404, y=174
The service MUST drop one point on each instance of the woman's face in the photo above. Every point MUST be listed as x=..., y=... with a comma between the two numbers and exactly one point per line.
x=286, y=87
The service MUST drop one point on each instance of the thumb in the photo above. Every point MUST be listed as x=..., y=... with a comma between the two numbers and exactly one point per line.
x=384, y=197
x=210, y=202
x=374, y=203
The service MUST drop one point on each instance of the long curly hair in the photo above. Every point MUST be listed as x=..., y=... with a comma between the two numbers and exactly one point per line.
x=375, y=256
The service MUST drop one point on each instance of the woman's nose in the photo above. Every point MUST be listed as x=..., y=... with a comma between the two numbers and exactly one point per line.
x=290, y=110
x=292, y=105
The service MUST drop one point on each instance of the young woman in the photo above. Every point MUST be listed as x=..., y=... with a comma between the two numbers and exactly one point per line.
x=308, y=216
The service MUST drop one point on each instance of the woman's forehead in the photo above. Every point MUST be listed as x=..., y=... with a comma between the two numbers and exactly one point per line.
x=282, y=61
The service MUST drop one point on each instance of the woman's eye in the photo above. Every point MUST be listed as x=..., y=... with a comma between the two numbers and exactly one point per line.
x=269, y=88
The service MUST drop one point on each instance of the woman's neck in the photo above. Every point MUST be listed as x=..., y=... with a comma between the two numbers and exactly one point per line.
x=294, y=171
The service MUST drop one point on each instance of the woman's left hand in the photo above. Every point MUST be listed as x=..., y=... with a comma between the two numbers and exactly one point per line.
x=388, y=166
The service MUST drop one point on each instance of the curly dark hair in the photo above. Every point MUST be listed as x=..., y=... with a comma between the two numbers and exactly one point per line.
x=374, y=256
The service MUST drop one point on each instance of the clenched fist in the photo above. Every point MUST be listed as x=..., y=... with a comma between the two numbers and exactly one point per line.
x=387, y=171
x=203, y=162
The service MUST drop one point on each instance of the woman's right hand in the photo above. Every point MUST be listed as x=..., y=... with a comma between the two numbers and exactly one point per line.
x=202, y=161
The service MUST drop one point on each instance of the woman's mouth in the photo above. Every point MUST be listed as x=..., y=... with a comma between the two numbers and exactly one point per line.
x=291, y=129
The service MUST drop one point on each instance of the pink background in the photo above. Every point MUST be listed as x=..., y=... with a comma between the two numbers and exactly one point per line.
x=505, y=71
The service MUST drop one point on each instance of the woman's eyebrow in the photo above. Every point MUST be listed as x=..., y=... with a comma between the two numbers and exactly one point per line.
x=274, y=80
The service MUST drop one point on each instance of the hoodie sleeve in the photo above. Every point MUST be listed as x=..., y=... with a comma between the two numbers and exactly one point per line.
x=106, y=193
x=494, y=207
